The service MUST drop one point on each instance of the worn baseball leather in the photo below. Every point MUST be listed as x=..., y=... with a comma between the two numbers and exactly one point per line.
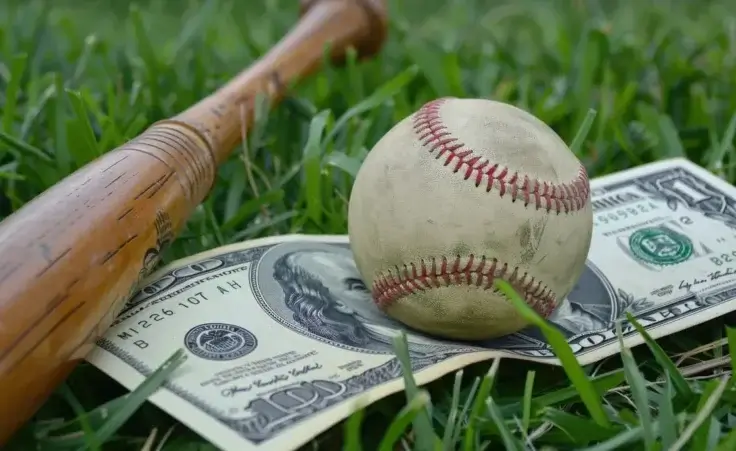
x=457, y=194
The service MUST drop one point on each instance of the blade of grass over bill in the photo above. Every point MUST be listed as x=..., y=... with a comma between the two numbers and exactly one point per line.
x=140, y=395
x=562, y=350
x=682, y=387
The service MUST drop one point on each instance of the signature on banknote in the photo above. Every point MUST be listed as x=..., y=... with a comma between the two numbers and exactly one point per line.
x=688, y=284
x=261, y=383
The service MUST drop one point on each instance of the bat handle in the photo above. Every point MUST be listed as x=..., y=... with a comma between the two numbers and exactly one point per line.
x=221, y=118
x=370, y=38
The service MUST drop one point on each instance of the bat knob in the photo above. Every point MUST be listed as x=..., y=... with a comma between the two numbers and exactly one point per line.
x=371, y=37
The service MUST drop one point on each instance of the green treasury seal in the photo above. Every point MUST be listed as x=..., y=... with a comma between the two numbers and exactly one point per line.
x=660, y=246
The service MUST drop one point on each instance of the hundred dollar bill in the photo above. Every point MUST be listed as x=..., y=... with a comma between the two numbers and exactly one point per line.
x=284, y=339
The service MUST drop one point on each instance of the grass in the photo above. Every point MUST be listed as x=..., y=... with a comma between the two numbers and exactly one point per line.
x=78, y=78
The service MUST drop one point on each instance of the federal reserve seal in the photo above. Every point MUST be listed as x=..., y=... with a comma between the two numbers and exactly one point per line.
x=660, y=246
x=220, y=341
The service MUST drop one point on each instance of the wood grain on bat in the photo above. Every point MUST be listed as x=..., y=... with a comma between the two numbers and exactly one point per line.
x=71, y=257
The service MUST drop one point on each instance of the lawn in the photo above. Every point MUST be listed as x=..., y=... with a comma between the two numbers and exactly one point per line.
x=78, y=78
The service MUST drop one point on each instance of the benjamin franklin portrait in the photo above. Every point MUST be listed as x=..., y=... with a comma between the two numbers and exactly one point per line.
x=320, y=291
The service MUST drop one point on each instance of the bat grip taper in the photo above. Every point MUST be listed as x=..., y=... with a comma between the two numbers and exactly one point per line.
x=223, y=118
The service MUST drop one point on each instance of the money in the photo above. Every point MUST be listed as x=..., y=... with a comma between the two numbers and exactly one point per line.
x=284, y=340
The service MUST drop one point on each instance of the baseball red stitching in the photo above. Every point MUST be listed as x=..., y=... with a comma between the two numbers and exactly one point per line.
x=558, y=197
x=479, y=271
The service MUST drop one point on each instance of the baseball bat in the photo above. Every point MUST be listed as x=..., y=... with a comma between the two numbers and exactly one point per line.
x=72, y=256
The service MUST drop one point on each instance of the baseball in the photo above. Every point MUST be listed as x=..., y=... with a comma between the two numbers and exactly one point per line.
x=458, y=194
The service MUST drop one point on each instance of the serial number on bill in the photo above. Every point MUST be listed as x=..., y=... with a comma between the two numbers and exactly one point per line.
x=161, y=314
x=624, y=213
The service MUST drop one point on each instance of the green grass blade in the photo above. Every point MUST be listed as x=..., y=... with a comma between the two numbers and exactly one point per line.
x=74, y=433
x=352, y=431
x=452, y=416
x=472, y=394
x=670, y=137
x=23, y=149
x=256, y=228
x=313, y=165
x=716, y=159
x=140, y=395
x=619, y=442
x=403, y=419
x=638, y=390
x=214, y=225
x=89, y=438
x=34, y=113
x=147, y=53
x=478, y=406
x=193, y=26
x=235, y=192
x=681, y=386
x=13, y=90
x=562, y=350
x=667, y=420
x=423, y=431
x=701, y=435
x=583, y=131
x=601, y=384
x=510, y=443
x=61, y=142
x=354, y=77
x=705, y=409
x=349, y=165
x=250, y=207
x=382, y=94
x=527, y=401
x=729, y=442
x=89, y=45
x=579, y=429
x=11, y=176
x=731, y=335
x=84, y=145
